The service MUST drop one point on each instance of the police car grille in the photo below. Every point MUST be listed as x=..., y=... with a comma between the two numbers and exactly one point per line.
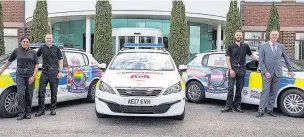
x=139, y=109
x=134, y=92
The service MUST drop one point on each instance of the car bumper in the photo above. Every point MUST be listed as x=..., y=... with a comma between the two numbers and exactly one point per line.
x=163, y=105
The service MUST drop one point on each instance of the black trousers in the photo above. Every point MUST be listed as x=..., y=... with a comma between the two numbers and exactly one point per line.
x=238, y=79
x=24, y=91
x=48, y=76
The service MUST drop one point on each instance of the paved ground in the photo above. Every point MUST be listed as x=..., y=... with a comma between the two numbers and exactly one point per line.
x=78, y=118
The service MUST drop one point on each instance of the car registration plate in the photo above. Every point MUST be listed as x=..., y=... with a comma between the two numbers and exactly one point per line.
x=138, y=102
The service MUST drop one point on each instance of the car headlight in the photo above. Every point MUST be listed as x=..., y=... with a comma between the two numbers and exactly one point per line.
x=173, y=89
x=106, y=88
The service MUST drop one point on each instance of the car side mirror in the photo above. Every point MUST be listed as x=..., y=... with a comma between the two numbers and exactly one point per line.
x=102, y=66
x=182, y=67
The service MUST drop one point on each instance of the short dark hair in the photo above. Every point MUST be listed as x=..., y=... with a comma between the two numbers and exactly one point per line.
x=238, y=31
x=24, y=37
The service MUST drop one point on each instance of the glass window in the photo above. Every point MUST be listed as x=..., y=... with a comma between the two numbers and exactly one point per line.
x=300, y=1
x=119, y=23
x=75, y=59
x=154, y=24
x=299, y=36
x=253, y=35
x=195, y=39
x=160, y=40
x=217, y=60
x=136, y=23
x=146, y=39
x=143, y=61
x=166, y=27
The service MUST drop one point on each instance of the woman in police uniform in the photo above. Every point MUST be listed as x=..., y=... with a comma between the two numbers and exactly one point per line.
x=27, y=67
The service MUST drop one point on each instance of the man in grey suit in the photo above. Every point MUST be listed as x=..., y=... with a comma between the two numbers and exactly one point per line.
x=270, y=55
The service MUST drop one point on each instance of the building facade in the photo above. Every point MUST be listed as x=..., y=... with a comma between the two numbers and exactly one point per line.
x=291, y=18
x=13, y=22
x=72, y=22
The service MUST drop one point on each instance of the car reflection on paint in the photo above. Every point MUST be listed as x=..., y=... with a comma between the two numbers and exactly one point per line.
x=207, y=78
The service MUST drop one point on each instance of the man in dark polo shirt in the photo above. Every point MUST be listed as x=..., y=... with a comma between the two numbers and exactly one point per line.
x=51, y=73
x=236, y=62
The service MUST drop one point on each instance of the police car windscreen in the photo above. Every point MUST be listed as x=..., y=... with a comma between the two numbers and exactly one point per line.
x=142, y=61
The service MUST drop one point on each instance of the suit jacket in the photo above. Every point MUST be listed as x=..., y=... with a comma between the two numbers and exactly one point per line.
x=270, y=62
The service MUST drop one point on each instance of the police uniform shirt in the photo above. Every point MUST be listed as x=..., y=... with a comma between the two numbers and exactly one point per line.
x=26, y=58
x=50, y=56
x=238, y=54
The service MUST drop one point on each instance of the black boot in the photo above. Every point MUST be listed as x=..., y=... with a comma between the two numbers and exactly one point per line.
x=20, y=117
x=40, y=113
x=28, y=116
x=226, y=110
x=53, y=112
x=238, y=109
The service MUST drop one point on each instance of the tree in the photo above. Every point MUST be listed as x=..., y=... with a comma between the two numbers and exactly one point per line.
x=273, y=21
x=40, y=23
x=233, y=22
x=102, y=46
x=178, y=45
x=2, y=48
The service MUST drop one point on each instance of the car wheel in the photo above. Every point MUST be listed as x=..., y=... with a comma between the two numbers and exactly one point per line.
x=292, y=103
x=99, y=115
x=8, y=103
x=180, y=117
x=195, y=92
x=91, y=92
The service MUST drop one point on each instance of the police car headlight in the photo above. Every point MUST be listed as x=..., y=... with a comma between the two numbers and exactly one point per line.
x=174, y=89
x=106, y=88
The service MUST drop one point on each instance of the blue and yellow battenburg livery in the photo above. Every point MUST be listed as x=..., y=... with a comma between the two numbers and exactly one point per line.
x=76, y=83
x=215, y=82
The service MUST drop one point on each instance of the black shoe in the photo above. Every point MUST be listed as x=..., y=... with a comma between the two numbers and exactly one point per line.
x=271, y=114
x=28, y=116
x=39, y=113
x=226, y=110
x=259, y=115
x=238, y=109
x=20, y=117
x=53, y=112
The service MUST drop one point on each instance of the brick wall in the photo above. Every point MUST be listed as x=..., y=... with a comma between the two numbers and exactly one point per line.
x=256, y=14
x=13, y=15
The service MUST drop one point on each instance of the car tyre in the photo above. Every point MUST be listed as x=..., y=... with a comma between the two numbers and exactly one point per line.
x=8, y=97
x=292, y=103
x=91, y=92
x=195, y=87
x=181, y=117
x=99, y=115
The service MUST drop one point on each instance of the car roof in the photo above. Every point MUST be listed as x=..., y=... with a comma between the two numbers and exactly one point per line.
x=143, y=50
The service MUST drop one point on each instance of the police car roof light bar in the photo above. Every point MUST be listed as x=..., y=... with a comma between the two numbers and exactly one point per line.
x=158, y=46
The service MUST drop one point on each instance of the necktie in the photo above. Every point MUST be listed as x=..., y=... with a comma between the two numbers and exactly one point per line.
x=274, y=49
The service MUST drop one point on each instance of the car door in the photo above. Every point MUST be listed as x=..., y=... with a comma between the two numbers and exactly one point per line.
x=216, y=85
x=77, y=74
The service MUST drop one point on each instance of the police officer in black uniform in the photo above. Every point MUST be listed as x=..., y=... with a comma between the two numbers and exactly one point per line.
x=236, y=61
x=51, y=73
x=27, y=67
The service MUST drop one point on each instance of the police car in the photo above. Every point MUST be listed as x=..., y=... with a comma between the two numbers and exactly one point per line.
x=207, y=77
x=81, y=73
x=141, y=80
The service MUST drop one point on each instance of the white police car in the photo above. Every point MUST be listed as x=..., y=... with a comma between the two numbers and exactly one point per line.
x=81, y=74
x=141, y=80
